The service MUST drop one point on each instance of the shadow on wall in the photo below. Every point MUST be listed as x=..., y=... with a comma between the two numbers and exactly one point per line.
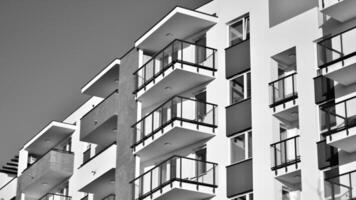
x=282, y=10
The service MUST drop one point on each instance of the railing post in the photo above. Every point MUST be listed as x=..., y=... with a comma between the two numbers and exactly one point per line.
x=295, y=151
x=181, y=52
x=346, y=119
x=285, y=154
x=293, y=89
x=181, y=111
x=180, y=171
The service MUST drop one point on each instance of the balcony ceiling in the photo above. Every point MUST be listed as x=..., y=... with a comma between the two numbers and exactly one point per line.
x=49, y=137
x=180, y=23
x=179, y=194
x=102, y=186
x=105, y=82
x=341, y=11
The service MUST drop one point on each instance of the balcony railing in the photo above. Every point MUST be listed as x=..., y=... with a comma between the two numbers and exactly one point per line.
x=176, y=168
x=283, y=90
x=87, y=156
x=336, y=117
x=285, y=153
x=336, y=48
x=341, y=187
x=327, y=3
x=178, y=51
x=327, y=155
x=177, y=108
x=51, y=196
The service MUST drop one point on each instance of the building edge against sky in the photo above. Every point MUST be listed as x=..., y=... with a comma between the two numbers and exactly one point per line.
x=234, y=100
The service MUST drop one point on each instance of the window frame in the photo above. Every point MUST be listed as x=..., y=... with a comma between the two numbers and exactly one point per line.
x=247, y=148
x=245, y=29
x=246, y=86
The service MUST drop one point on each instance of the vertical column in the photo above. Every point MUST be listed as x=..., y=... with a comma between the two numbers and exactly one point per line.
x=127, y=109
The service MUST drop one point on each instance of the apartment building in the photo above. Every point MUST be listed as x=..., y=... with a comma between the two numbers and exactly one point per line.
x=235, y=100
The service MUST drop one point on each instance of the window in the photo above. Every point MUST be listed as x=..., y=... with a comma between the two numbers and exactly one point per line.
x=239, y=30
x=244, y=197
x=240, y=87
x=241, y=147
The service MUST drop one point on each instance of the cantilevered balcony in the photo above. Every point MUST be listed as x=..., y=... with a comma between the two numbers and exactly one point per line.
x=337, y=56
x=105, y=82
x=177, y=123
x=341, y=10
x=286, y=162
x=179, y=66
x=342, y=186
x=47, y=172
x=180, y=23
x=99, y=125
x=98, y=178
x=237, y=172
x=283, y=92
x=177, y=178
x=51, y=196
x=338, y=124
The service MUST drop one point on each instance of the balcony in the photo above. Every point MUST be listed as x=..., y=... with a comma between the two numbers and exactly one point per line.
x=341, y=10
x=49, y=137
x=176, y=68
x=237, y=58
x=327, y=155
x=177, y=123
x=177, y=178
x=99, y=126
x=238, y=117
x=283, y=92
x=341, y=186
x=47, y=172
x=285, y=162
x=105, y=82
x=98, y=178
x=51, y=196
x=179, y=23
x=338, y=124
x=237, y=172
x=337, y=57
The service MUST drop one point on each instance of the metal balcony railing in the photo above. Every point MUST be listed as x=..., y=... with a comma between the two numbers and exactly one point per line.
x=341, y=186
x=285, y=153
x=178, y=51
x=176, y=168
x=283, y=90
x=52, y=196
x=336, y=117
x=177, y=108
x=336, y=48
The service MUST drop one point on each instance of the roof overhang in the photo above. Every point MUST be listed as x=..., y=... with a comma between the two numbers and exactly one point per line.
x=105, y=82
x=49, y=137
x=180, y=23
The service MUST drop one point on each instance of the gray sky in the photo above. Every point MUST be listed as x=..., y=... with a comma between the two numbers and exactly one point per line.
x=50, y=48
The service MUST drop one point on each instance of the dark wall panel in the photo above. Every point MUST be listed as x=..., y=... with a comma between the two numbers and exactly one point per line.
x=239, y=178
x=237, y=58
x=238, y=117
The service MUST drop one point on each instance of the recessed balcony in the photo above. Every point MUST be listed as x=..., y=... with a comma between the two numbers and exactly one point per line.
x=341, y=186
x=51, y=196
x=337, y=57
x=237, y=58
x=327, y=155
x=238, y=117
x=341, y=10
x=286, y=158
x=177, y=123
x=283, y=92
x=338, y=124
x=98, y=178
x=177, y=178
x=176, y=68
x=237, y=172
x=99, y=126
x=47, y=172
x=105, y=82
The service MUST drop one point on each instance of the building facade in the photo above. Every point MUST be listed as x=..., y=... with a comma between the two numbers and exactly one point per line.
x=235, y=100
